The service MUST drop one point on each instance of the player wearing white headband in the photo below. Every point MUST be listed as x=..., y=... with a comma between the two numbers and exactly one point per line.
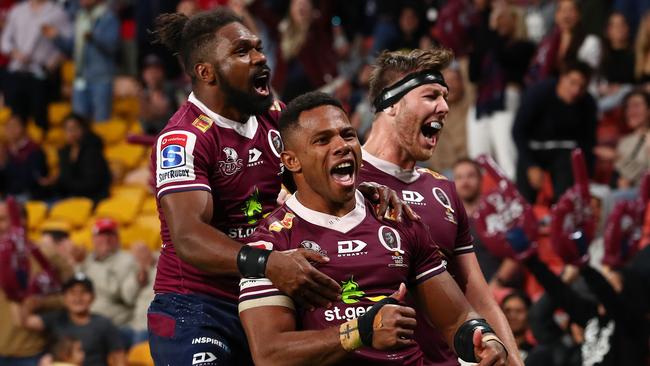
x=409, y=94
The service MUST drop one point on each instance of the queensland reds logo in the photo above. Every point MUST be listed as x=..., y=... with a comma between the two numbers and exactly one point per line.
x=275, y=141
x=312, y=245
x=504, y=215
x=389, y=239
x=232, y=164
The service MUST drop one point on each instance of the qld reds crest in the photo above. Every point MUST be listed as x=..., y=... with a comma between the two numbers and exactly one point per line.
x=443, y=199
x=232, y=164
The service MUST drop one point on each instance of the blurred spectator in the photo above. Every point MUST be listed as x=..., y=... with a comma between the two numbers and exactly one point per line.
x=566, y=43
x=539, y=18
x=99, y=337
x=452, y=28
x=111, y=270
x=94, y=51
x=22, y=163
x=454, y=143
x=83, y=170
x=157, y=98
x=631, y=158
x=616, y=72
x=306, y=58
x=555, y=117
x=497, y=272
x=67, y=351
x=642, y=51
x=20, y=346
x=56, y=245
x=411, y=29
x=515, y=307
x=497, y=66
x=33, y=58
x=146, y=267
x=633, y=10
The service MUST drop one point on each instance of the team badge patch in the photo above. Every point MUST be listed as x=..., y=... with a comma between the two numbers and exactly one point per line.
x=443, y=199
x=275, y=142
x=175, y=159
x=232, y=164
x=202, y=122
x=286, y=223
x=312, y=245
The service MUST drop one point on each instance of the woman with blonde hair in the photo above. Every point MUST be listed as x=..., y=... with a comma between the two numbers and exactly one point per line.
x=642, y=50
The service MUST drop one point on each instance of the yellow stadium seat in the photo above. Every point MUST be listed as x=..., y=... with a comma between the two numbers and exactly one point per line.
x=5, y=113
x=36, y=213
x=55, y=225
x=112, y=131
x=34, y=236
x=83, y=238
x=57, y=111
x=127, y=108
x=52, y=158
x=135, y=233
x=132, y=192
x=149, y=206
x=140, y=355
x=55, y=136
x=75, y=210
x=123, y=210
x=135, y=128
x=34, y=132
x=149, y=220
x=67, y=72
x=126, y=154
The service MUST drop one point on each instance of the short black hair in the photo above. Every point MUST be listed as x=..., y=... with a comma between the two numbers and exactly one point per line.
x=190, y=38
x=308, y=101
x=578, y=66
x=518, y=295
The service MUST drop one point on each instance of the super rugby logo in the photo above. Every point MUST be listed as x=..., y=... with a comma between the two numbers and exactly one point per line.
x=275, y=142
x=232, y=164
x=172, y=151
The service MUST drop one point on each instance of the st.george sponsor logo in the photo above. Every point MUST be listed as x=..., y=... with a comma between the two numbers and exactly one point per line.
x=240, y=232
x=413, y=198
x=350, y=313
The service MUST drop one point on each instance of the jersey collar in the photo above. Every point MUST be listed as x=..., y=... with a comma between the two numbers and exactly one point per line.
x=341, y=224
x=405, y=175
x=246, y=129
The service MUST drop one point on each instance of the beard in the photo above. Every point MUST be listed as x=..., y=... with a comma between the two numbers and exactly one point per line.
x=247, y=103
x=408, y=135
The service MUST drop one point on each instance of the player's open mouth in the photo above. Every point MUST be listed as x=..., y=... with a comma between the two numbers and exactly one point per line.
x=261, y=83
x=430, y=131
x=343, y=173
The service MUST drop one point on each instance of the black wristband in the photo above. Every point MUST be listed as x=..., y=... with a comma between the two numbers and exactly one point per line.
x=365, y=321
x=464, y=338
x=251, y=261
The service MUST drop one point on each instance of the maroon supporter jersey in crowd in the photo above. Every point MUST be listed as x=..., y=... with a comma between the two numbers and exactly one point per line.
x=238, y=163
x=434, y=198
x=369, y=257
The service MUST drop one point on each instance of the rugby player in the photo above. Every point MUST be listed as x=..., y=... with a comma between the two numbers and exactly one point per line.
x=371, y=258
x=409, y=95
x=217, y=172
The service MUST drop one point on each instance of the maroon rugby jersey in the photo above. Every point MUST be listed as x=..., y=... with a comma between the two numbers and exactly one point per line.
x=369, y=257
x=238, y=163
x=434, y=198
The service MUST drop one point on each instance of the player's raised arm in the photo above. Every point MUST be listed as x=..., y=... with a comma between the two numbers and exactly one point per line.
x=270, y=325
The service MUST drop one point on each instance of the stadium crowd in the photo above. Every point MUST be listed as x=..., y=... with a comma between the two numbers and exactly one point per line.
x=531, y=81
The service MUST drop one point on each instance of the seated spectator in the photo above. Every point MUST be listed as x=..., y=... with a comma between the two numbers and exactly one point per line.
x=83, y=170
x=146, y=267
x=616, y=72
x=112, y=270
x=22, y=163
x=515, y=307
x=555, y=117
x=566, y=43
x=157, y=98
x=67, y=351
x=411, y=29
x=100, y=339
x=94, y=49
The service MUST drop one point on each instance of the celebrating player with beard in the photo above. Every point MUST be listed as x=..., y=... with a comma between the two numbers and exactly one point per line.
x=371, y=258
x=409, y=94
x=217, y=172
